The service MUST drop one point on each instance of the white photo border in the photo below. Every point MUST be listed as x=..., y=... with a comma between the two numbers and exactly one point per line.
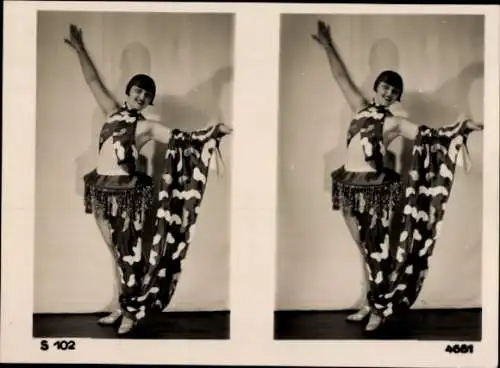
x=253, y=212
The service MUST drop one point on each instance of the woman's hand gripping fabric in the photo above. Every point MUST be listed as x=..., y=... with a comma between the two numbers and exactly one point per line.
x=223, y=130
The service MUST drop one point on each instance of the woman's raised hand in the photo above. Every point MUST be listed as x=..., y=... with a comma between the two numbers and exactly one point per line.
x=75, y=39
x=323, y=35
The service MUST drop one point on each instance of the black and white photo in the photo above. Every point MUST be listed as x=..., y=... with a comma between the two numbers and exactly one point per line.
x=214, y=183
x=133, y=120
x=381, y=120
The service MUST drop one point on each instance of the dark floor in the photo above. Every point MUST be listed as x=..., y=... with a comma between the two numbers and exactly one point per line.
x=168, y=325
x=428, y=324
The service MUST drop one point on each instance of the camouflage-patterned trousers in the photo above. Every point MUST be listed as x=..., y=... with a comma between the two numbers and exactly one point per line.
x=147, y=280
x=394, y=273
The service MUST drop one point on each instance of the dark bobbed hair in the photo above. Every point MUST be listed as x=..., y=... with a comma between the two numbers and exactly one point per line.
x=142, y=81
x=392, y=78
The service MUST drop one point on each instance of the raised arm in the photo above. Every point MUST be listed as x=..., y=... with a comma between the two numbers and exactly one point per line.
x=351, y=92
x=104, y=98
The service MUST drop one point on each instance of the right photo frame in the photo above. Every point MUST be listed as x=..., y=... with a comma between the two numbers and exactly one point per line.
x=380, y=177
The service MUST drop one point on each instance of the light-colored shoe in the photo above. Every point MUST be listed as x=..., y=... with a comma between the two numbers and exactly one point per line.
x=126, y=326
x=111, y=318
x=360, y=315
x=374, y=322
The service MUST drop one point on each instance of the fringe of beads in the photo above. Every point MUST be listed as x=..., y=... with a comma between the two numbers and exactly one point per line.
x=360, y=198
x=117, y=200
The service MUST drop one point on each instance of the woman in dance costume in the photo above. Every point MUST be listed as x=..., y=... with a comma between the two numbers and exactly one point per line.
x=366, y=190
x=120, y=196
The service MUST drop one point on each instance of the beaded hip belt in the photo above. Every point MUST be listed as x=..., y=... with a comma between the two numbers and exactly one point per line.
x=365, y=191
x=114, y=194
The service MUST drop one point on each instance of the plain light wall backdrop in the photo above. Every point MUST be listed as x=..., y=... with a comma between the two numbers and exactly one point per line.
x=441, y=61
x=190, y=57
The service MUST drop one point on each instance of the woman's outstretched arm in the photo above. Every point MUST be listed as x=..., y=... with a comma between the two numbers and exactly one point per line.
x=160, y=133
x=351, y=92
x=401, y=126
x=104, y=98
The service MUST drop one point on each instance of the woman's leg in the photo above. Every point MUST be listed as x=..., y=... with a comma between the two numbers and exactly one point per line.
x=370, y=229
x=375, y=239
x=122, y=234
x=127, y=241
x=353, y=226
x=374, y=321
x=106, y=231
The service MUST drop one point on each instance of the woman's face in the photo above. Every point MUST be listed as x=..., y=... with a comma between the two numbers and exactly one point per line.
x=138, y=98
x=386, y=94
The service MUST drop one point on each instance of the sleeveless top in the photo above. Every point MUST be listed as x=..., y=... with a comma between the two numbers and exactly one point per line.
x=369, y=123
x=121, y=126
x=116, y=193
x=362, y=191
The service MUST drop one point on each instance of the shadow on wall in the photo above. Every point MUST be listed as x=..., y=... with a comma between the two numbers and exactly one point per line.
x=440, y=107
x=195, y=110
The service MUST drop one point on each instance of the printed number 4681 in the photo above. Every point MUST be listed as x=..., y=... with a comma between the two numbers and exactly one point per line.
x=459, y=349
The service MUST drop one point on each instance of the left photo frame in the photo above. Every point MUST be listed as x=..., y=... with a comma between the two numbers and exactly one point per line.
x=128, y=104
